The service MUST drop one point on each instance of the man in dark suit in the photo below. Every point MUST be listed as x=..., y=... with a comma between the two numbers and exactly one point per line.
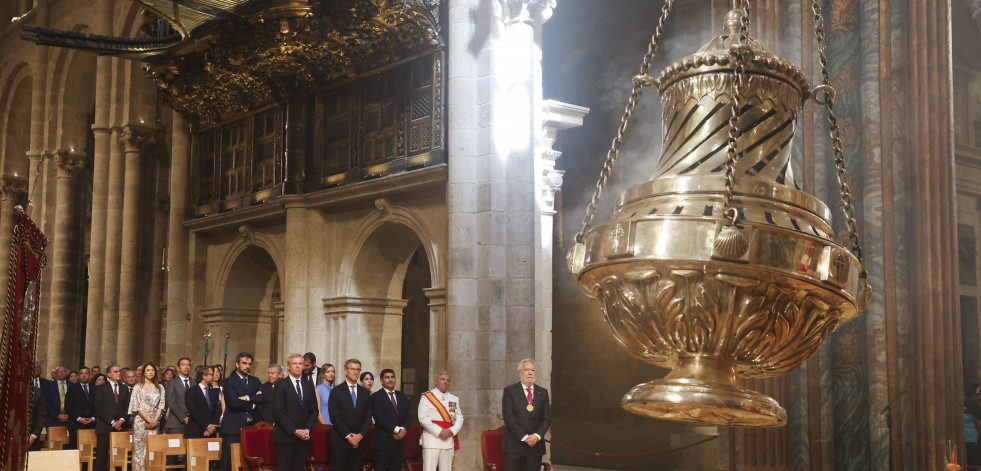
x=390, y=409
x=203, y=407
x=176, y=389
x=273, y=374
x=37, y=418
x=349, y=407
x=80, y=406
x=311, y=372
x=525, y=408
x=241, y=398
x=55, y=392
x=111, y=413
x=295, y=407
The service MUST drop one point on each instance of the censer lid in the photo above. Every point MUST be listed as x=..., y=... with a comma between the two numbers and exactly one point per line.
x=715, y=57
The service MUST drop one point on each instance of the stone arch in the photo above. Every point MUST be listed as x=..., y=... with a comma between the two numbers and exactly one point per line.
x=73, y=96
x=246, y=239
x=15, y=123
x=387, y=214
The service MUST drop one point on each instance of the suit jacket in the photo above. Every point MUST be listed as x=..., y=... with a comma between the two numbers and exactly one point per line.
x=107, y=410
x=265, y=409
x=78, y=405
x=175, y=401
x=290, y=414
x=38, y=412
x=346, y=417
x=520, y=422
x=387, y=418
x=52, y=399
x=200, y=414
x=238, y=412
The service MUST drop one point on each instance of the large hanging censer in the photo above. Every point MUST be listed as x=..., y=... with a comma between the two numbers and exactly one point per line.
x=719, y=266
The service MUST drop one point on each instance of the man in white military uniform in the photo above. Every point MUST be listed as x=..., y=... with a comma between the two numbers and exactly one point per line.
x=441, y=420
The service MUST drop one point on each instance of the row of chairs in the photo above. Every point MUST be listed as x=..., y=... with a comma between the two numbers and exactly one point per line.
x=198, y=451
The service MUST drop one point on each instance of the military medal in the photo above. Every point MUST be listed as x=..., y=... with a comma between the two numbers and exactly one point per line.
x=530, y=407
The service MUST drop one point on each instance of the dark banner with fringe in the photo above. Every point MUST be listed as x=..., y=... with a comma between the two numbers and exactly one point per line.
x=18, y=340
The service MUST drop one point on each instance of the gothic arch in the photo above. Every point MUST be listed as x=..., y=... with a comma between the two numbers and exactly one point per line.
x=15, y=122
x=387, y=214
x=246, y=240
x=73, y=96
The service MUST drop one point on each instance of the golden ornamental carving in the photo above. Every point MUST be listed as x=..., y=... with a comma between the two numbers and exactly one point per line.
x=248, y=64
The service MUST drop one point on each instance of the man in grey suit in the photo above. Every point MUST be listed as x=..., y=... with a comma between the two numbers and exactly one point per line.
x=177, y=418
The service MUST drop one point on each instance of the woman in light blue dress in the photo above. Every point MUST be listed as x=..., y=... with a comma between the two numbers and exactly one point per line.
x=325, y=383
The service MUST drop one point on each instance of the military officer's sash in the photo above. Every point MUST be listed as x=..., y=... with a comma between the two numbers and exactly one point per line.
x=447, y=421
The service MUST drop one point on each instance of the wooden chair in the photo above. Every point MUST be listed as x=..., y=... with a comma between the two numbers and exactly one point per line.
x=201, y=451
x=53, y=459
x=159, y=447
x=236, y=452
x=86, y=447
x=318, y=458
x=258, y=452
x=120, y=450
x=413, y=449
x=57, y=438
x=490, y=450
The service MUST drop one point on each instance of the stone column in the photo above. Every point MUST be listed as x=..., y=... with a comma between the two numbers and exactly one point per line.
x=556, y=116
x=294, y=289
x=176, y=323
x=13, y=191
x=114, y=216
x=100, y=183
x=371, y=330
x=61, y=340
x=135, y=140
x=437, y=332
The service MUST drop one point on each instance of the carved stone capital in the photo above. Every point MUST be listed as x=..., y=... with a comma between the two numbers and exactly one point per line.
x=68, y=163
x=13, y=188
x=551, y=183
x=526, y=11
x=136, y=138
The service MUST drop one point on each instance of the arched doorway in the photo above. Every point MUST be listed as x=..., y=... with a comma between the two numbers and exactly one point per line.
x=250, y=310
x=415, y=327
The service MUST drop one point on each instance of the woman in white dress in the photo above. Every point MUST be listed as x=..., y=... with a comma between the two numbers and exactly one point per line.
x=147, y=404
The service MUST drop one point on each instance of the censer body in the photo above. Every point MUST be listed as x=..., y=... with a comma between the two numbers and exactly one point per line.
x=713, y=310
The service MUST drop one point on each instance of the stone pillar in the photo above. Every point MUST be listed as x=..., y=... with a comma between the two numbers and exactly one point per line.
x=295, y=299
x=100, y=183
x=13, y=191
x=371, y=330
x=175, y=331
x=61, y=339
x=556, y=116
x=135, y=140
x=114, y=216
x=437, y=332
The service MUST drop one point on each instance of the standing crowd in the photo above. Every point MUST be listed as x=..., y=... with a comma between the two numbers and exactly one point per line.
x=293, y=399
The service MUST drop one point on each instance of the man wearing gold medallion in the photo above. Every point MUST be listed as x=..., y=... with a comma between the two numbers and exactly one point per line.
x=525, y=408
x=441, y=420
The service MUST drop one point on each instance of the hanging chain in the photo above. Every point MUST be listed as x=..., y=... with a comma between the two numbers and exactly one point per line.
x=839, y=153
x=641, y=81
x=740, y=52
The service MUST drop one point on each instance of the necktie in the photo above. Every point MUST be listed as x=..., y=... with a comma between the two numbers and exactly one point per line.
x=354, y=396
x=246, y=380
x=61, y=391
x=530, y=399
x=394, y=404
x=187, y=384
x=85, y=388
x=207, y=392
x=299, y=393
x=115, y=391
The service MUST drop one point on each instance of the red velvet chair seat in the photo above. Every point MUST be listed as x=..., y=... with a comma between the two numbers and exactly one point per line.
x=258, y=451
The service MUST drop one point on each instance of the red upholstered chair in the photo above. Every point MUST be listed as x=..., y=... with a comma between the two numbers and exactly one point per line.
x=319, y=456
x=369, y=464
x=258, y=452
x=490, y=450
x=413, y=449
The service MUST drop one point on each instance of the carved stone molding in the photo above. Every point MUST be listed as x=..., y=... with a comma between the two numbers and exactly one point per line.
x=551, y=183
x=68, y=163
x=13, y=188
x=137, y=138
x=526, y=11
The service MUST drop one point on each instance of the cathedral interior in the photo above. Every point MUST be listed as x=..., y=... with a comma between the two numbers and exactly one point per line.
x=400, y=181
